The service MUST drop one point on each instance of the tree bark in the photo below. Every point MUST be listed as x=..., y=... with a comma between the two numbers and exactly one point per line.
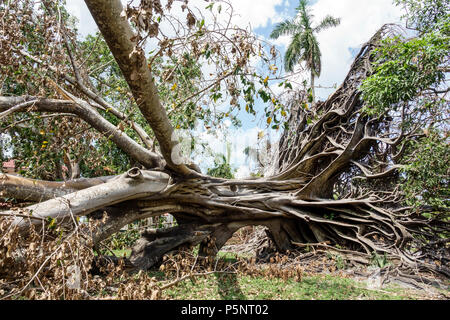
x=26, y=189
x=131, y=185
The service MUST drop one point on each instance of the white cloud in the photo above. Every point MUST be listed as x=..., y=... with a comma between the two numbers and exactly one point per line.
x=256, y=13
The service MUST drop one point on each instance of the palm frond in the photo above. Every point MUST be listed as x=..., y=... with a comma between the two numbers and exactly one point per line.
x=293, y=53
x=305, y=15
x=288, y=27
x=327, y=22
x=302, y=5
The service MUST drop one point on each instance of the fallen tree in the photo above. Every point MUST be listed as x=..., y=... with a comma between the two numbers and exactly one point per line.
x=335, y=178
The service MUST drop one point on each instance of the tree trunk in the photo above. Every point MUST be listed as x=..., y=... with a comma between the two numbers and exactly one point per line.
x=131, y=185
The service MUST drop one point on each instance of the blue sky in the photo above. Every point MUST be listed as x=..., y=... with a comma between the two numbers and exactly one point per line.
x=359, y=21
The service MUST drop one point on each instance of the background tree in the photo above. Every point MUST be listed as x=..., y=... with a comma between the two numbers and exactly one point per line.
x=410, y=79
x=304, y=46
x=222, y=166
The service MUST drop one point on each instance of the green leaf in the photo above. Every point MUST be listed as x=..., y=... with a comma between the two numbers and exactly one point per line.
x=288, y=85
x=51, y=223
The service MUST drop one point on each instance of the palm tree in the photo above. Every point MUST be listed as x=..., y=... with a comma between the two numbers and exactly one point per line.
x=304, y=46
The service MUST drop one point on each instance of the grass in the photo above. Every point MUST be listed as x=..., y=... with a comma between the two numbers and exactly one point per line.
x=228, y=256
x=243, y=287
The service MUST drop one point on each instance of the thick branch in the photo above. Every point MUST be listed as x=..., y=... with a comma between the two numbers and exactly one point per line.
x=131, y=185
x=20, y=188
x=132, y=148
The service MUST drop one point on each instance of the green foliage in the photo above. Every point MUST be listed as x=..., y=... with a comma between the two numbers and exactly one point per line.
x=221, y=169
x=329, y=216
x=404, y=69
x=339, y=260
x=427, y=172
x=379, y=261
x=423, y=15
x=177, y=79
x=408, y=79
x=124, y=239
